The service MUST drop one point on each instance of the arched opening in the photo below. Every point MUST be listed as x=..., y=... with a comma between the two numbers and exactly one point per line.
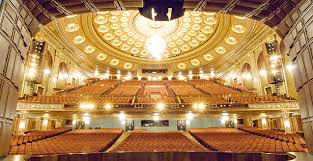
x=246, y=76
x=47, y=69
x=62, y=77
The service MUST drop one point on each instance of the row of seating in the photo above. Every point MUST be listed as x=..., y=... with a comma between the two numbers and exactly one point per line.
x=162, y=141
x=151, y=100
x=56, y=99
x=77, y=141
x=96, y=88
x=35, y=135
x=234, y=140
x=125, y=91
x=277, y=135
x=117, y=92
x=212, y=88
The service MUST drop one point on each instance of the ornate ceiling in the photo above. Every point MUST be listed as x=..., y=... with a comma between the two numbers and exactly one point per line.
x=119, y=38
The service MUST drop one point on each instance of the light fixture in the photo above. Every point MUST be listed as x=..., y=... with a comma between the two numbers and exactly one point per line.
x=189, y=116
x=108, y=107
x=162, y=10
x=87, y=106
x=156, y=46
x=160, y=106
x=45, y=122
x=290, y=66
x=22, y=124
x=263, y=72
x=122, y=116
x=86, y=120
x=74, y=122
x=46, y=71
x=199, y=106
x=156, y=117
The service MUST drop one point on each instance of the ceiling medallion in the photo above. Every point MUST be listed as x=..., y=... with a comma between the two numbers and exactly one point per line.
x=101, y=56
x=220, y=50
x=103, y=28
x=128, y=65
x=89, y=49
x=230, y=40
x=182, y=66
x=195, y=62
x=208, y=57
x=79, y=39
x=238, y=28
x=210, y=20
x=114, y=62
x=101, y=20
x=72, y=27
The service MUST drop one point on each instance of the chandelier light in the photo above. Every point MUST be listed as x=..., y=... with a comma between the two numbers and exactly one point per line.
x=156, y=46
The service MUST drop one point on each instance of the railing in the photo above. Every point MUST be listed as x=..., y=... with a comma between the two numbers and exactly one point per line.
x=161, y=156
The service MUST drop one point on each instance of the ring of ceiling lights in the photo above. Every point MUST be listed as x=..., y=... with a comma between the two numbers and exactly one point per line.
x=107, y=43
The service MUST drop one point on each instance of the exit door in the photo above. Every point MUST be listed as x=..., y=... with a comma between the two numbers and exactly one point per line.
x=129, y=125
x=181, y=125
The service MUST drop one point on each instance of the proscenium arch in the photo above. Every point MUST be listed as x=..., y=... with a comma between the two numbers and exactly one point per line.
x=270, y=12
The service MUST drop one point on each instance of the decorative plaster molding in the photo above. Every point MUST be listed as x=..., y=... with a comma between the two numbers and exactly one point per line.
x=40, y=107
x=276, y=106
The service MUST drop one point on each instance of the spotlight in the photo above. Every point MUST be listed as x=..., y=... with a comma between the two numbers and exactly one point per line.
x=164, y=10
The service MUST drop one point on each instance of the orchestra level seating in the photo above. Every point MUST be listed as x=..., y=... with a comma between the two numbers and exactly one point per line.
x=160, y=141
x=76, y=141
x=234, y=140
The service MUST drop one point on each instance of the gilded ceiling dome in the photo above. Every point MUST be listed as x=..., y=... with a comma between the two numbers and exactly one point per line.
x=122, y=39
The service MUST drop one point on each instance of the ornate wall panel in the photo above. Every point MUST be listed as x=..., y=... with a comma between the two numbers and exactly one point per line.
x=15, y=39
x=298, y=41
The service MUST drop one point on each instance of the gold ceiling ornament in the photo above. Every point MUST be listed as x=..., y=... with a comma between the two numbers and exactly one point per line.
x=127, y=65
x=89, y=49
x=220, y=50
x=195, y=62
x=210, y=20
x=182, y=66
x=72, y=27
x=231, y=40
x=79, y=39
x=124, y=34
x=238, y=28
x=101, y=56
x=103, y=28
x=128, y=29
x=208, y=57
x=101, y=19
x=114, y=62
